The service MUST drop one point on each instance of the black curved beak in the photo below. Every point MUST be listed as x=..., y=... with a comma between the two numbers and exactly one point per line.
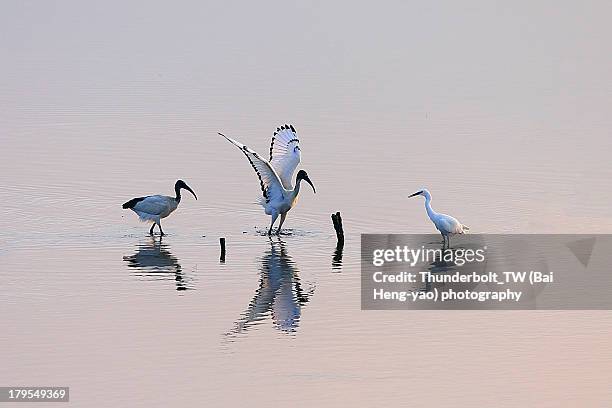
x=311, y=185
x=415, y=194
x=190, y=190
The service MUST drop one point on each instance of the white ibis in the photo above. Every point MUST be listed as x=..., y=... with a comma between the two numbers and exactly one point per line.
x=446, y=224
x=279, y=196
x=155, y=207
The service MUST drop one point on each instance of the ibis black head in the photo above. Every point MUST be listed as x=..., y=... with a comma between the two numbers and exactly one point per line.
x=181, y=184
x=302, y=175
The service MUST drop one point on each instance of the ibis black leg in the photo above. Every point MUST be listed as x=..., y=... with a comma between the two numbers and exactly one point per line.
x=274, y=216
x=283, y=216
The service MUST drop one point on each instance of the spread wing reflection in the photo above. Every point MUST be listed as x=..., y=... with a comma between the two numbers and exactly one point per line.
x=280, y=294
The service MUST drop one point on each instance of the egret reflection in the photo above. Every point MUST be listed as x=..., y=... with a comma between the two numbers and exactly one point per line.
x=502, y=253
x=280, y=294
x=153, y=261
x=446, y=262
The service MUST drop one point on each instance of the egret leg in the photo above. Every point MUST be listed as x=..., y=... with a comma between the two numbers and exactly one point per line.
x=161, y=231
x=274, y=216
x=446, y=242
x=151, y=230
x=283, y=216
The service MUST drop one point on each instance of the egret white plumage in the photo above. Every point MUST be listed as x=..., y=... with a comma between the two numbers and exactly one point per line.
x=446, y=224
x=275, y=175
x=155, y=207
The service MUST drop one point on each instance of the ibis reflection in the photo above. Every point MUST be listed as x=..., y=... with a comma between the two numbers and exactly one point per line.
x=154, y=261
x=280, y=294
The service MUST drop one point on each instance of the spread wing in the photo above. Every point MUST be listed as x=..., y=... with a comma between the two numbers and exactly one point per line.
x=271, y=186
x=285, y=154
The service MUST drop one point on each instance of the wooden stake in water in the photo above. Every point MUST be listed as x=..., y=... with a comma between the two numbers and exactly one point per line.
x=222, y=243
x=337, y=220
x=337, y=259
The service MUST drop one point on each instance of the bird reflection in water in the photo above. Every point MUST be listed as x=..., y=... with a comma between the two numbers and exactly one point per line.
x=154, y=261
x=337, y=257
x=449, y=261
x=502, y=253
x=280, y=294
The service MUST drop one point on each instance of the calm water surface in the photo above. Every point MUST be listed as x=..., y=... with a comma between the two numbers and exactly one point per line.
x=502, y=112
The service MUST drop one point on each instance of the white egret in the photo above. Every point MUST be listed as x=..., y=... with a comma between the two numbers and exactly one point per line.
x=279, y=196
x=446, y=224
x=155, y=207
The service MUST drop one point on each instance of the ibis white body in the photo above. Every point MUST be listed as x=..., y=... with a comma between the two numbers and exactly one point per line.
x=275, y=175
x=155, y=207
x=446, y=224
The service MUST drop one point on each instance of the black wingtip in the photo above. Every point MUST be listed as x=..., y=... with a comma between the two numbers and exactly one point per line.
x=132, y=202
x=292, y=128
